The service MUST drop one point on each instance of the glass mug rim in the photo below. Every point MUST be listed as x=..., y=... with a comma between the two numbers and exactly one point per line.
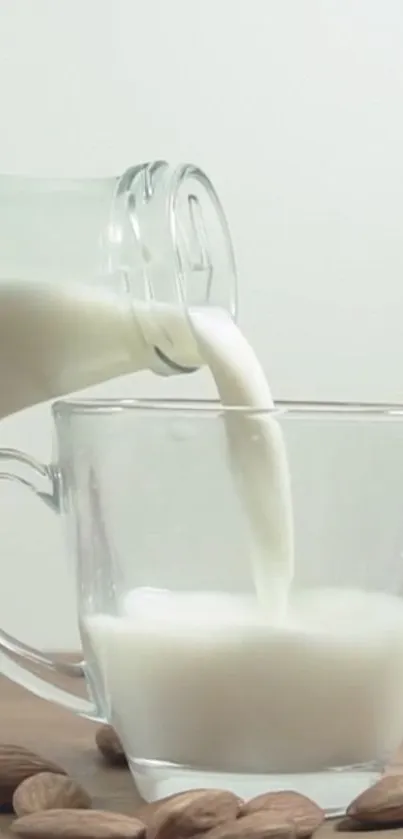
x=208, y=408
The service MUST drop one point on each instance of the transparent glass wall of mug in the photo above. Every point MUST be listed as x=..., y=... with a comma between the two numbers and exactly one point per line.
x=84, y=264
x=201, y=687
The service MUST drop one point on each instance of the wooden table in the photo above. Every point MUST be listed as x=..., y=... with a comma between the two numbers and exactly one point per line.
x=59, y=735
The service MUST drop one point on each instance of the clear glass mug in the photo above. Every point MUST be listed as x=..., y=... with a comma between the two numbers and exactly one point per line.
x=148, y=500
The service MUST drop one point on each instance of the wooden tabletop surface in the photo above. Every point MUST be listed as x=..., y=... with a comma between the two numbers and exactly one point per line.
x=68, y=740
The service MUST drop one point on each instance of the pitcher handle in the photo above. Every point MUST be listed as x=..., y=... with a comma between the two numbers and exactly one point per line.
x=49, y=494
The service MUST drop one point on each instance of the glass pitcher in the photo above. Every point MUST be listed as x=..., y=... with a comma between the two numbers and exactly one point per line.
x=200, y=692
x=88, y=266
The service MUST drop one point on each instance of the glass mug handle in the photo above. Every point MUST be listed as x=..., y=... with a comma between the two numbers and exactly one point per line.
x=10, y=647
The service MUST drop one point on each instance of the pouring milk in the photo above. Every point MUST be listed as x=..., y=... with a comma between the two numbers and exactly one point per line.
x=282, y=641
x=58, y=339
x=321, y=669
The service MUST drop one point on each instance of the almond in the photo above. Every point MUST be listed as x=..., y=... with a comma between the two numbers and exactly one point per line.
x=260, y=825
x=189, y=813
x=16, y=764
x=147, y=811
x=109, y=745
x=381, y=804
x=47, y=791
x=78, y=824
x=303, y=812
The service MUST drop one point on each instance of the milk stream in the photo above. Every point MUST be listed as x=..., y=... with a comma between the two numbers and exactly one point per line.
x=257, y=455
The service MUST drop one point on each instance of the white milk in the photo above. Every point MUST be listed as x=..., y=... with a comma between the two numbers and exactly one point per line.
x=205, y=680
x=56, y=339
